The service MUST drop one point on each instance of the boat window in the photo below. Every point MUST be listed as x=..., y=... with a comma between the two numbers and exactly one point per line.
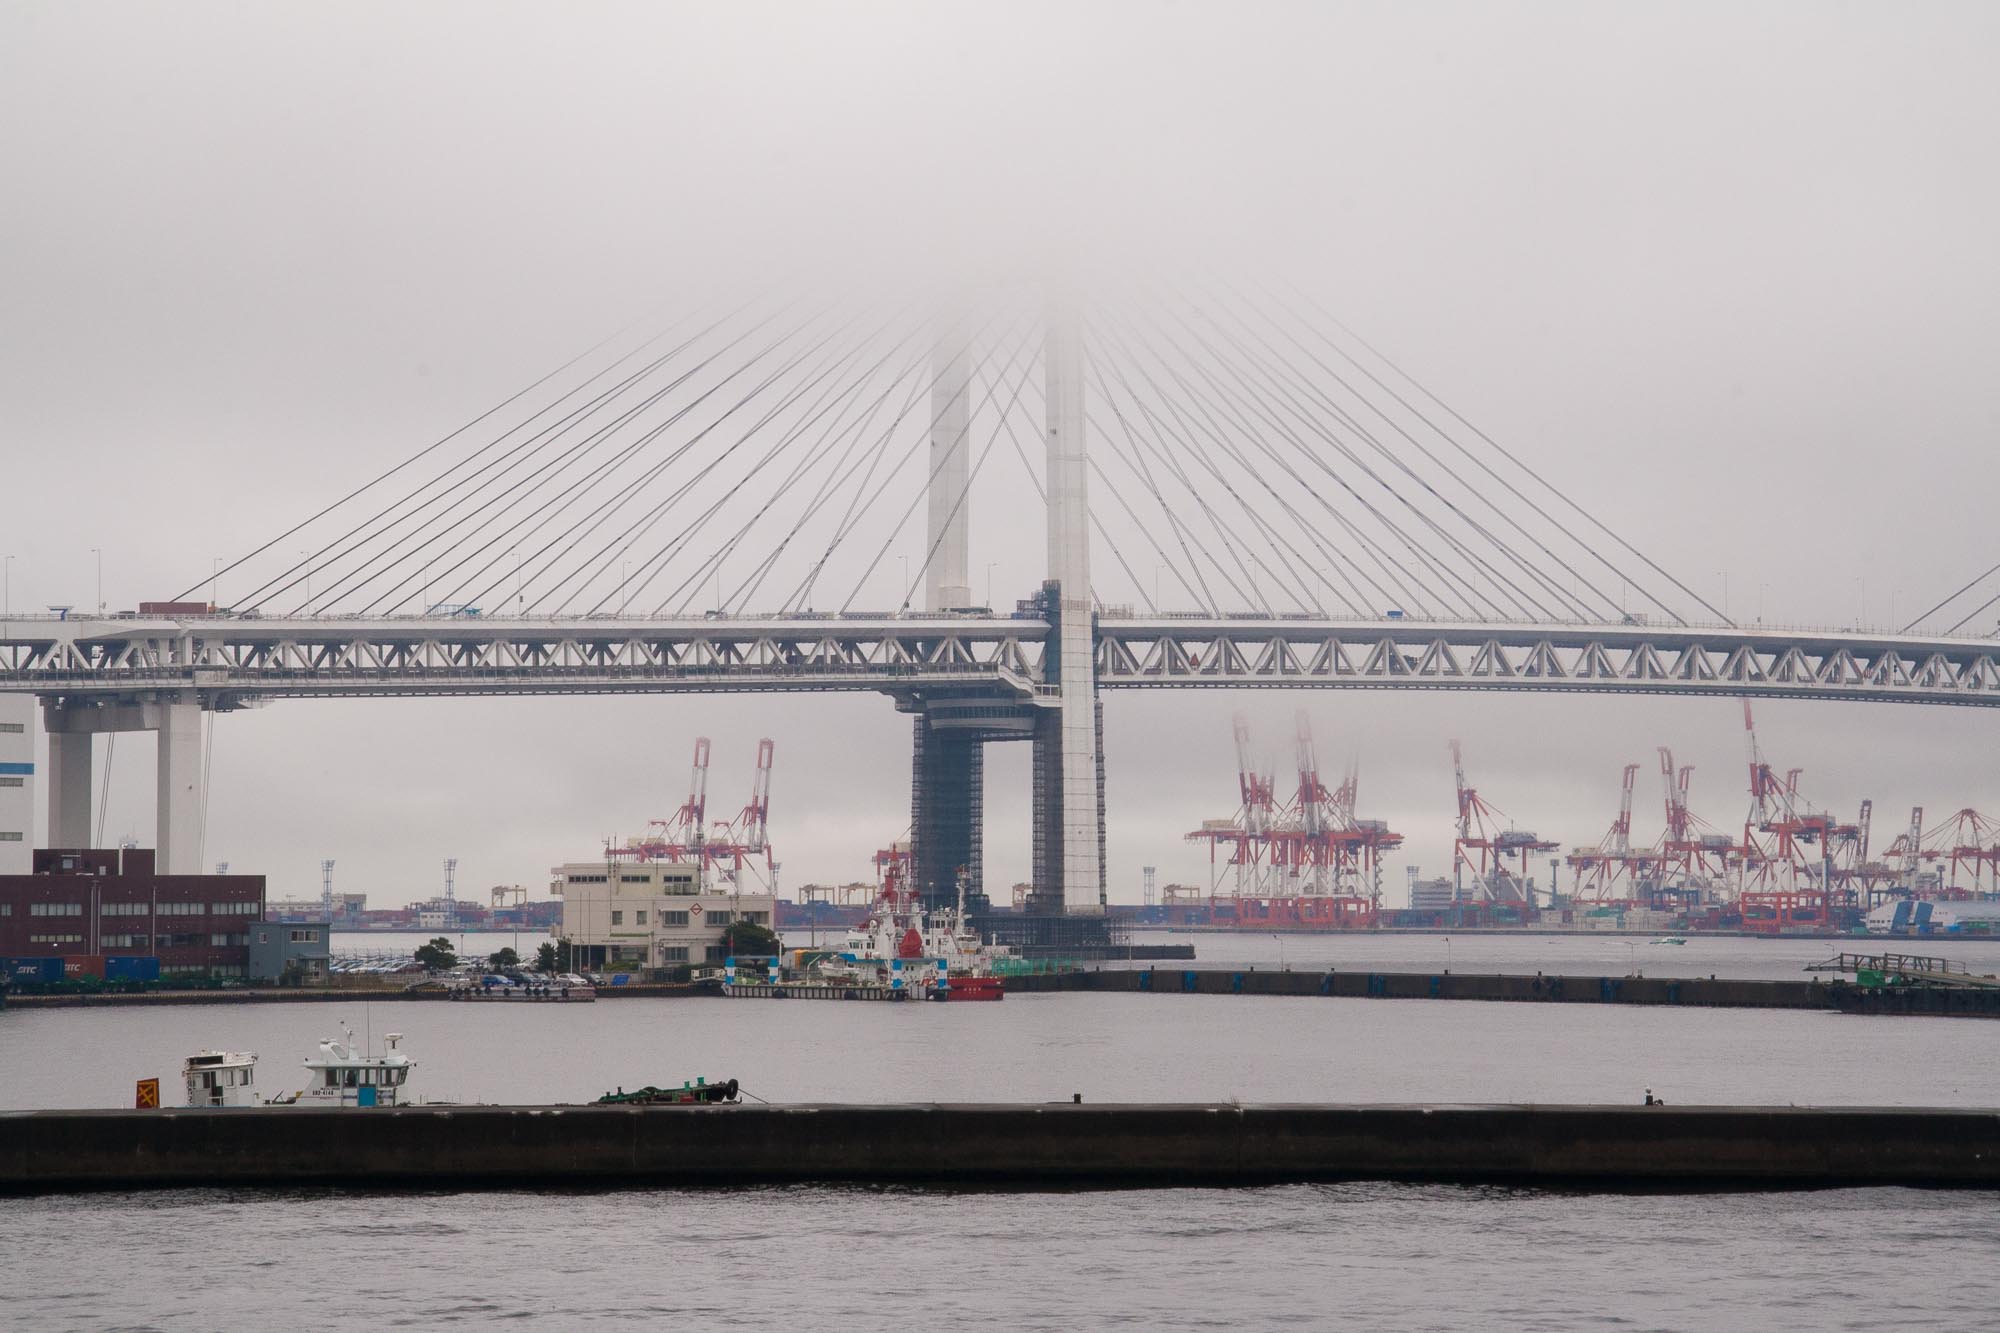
x=349, y=1079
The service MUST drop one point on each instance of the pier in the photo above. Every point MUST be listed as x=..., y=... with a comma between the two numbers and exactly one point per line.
x=1959, y=1000
x=1008, y=1146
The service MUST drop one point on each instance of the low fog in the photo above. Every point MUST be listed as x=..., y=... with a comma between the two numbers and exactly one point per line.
x=1723, y=272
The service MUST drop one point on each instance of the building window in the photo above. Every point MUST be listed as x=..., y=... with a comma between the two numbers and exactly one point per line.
x=674, y=953
x=55, y=939
x=635, y=879
x=588, y=879
x=680, y=888
x=125, y=941
x=6, y=909
x=305, y=937
x=55, y=909
x=263, y=937
x=617, y=918
x=639, y=917
x=673, y=918
x=13, y=782
x=182, y=909
x=232, y=909
x=10, y=837
x=717, y=953
x=754, y=918
x=224, y=941
x=123, y=909
x=13, y=728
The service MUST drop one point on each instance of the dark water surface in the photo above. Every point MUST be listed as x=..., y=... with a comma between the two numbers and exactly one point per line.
x=1295, y=1257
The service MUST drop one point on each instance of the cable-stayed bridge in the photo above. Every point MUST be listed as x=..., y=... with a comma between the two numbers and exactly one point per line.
x=717, y=506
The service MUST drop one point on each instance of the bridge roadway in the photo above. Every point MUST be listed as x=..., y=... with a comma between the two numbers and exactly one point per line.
x=227, y=662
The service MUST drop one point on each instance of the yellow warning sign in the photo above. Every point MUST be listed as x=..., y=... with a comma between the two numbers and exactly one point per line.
x=149, y=1094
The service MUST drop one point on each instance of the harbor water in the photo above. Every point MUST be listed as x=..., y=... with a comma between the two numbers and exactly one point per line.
x=1299, y=1257
x=1363, y=1256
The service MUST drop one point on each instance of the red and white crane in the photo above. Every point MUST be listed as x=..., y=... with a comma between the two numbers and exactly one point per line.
x=1499, y=859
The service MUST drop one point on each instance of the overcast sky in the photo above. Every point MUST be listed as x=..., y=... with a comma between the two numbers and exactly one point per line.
x=1725, y=270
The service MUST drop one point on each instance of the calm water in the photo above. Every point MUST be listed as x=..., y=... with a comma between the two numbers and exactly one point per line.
x=1295, y=1257
x=1365, y=1256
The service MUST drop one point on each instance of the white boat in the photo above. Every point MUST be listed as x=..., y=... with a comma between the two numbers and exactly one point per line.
x=932, y=954
x=338, y=1074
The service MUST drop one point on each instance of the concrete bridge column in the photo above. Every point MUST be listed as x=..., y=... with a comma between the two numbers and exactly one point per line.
x=176, y=718
x=178, y=811
x=70, y=788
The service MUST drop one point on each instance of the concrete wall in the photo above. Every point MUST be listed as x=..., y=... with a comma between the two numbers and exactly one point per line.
x=1020, y=1145
x=1445, y=986
x=18, y=725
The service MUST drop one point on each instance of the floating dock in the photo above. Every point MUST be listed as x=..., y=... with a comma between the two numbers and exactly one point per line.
x=1009, y=1146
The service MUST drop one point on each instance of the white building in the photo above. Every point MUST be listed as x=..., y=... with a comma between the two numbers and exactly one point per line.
x=17, y=783
x=651, y=913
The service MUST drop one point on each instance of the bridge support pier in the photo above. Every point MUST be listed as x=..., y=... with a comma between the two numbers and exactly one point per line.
x=1061, y=838
x=69, y=788
x=176, y=718
x=947, y=813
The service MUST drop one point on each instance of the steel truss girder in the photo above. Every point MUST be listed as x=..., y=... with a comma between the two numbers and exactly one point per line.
x=245, y=659
x=1186, y=653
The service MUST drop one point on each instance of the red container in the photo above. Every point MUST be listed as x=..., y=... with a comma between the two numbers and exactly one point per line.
x=83, y=965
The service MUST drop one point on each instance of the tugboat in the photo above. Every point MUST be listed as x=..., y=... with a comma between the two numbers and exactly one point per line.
x=337, y=1075
x=902, y=948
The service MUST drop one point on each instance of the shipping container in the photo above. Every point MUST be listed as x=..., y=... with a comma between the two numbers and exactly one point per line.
x=79, y=965
x=29, y=970
x=131, y=969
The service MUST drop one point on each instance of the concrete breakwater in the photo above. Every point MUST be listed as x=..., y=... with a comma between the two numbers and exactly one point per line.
x=1025, y=1146
x=1688, y=991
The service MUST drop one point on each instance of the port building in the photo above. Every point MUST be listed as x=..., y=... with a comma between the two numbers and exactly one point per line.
x=648, y=913
x=88, y=907
x=17, y=782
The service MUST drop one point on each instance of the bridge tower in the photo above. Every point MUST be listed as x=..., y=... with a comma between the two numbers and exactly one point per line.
x=948, y=745
x=1069, y=739
x=947, y=787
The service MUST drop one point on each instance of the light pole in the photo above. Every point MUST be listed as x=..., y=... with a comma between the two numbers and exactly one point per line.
x=307, y=557
x=98, y=551
x=1281, y=951
x=1447, y=953
x=6, y=588
x=1724, y=575
x=989, y=583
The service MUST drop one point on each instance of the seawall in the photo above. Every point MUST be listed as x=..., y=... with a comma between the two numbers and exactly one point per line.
x=1020, y=1146
x=1681, y=991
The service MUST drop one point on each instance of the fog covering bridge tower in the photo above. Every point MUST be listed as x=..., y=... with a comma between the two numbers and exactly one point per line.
x=950, y=732
x=1069, y=739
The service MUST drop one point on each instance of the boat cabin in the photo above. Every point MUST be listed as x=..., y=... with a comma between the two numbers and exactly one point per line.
x=221, y=1078
x=341, y=1075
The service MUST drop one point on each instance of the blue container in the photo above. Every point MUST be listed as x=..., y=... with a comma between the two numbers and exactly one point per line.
x=30, y=970
x=131, y=969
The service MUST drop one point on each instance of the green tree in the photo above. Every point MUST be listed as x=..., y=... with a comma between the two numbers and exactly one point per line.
x=545, y=958
x=746, y=939
x=504, y=957
x=438, y=955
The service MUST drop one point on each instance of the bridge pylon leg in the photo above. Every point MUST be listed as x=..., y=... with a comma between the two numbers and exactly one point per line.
x=70, y=788
x=178, y=810
x=947, y=813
